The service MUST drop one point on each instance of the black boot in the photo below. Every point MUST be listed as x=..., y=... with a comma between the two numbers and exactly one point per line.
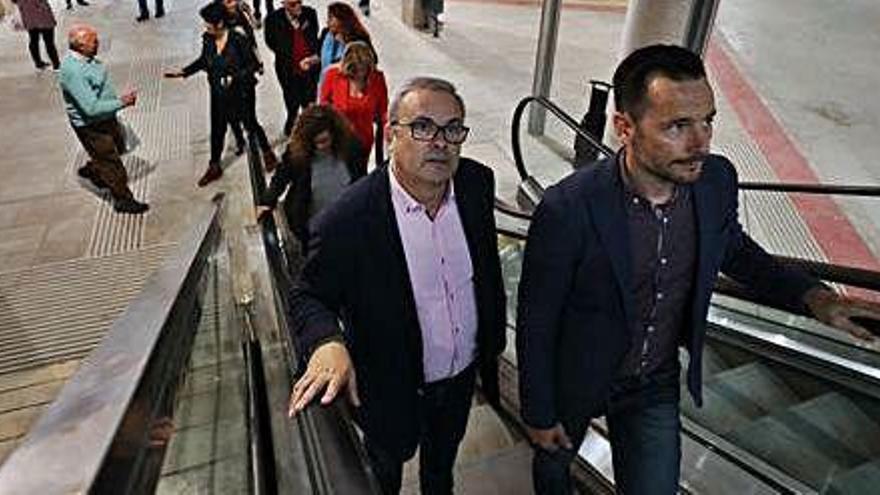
x=130, y=205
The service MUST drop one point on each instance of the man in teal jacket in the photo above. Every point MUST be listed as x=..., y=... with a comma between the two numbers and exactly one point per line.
x=92, y=104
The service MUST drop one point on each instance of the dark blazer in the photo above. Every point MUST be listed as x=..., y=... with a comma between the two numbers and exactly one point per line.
x=357, y=271
x=575, y=313
x=299, y=176
x=279, y=39
x=237, y=63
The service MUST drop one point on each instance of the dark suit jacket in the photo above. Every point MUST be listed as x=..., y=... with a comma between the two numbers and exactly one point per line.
x=576, y=306
x=357, y=271
x=279, y=39
x=236, y=62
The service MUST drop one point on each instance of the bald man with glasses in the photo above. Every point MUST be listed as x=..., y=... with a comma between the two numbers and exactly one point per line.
x=401, y=304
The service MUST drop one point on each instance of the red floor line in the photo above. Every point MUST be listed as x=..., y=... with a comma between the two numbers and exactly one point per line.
x=830, y=226
x=581, y=5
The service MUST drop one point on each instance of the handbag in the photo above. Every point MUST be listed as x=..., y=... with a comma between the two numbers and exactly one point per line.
x=11, y=15
x=129, y=137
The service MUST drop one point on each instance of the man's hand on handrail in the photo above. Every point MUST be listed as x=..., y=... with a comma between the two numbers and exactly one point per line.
x=837, y=311
x=329, y=368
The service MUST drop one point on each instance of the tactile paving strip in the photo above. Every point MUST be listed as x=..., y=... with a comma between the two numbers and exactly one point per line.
x=770, y=217
x=60, y=311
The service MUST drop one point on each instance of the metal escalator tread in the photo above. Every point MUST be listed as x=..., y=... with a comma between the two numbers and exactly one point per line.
x=836, y=417
x=808, y=440
x=862, y=479
x=754, y=389
x=713, y=363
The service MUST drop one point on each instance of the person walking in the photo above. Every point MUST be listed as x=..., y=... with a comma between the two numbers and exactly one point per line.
x=292, y=34
x=228, y=61
x=145, y=10
x=357, y=89
x=92, y=105
x=322, y=159
x=343, y=27
x=83, y=3
x=39, y=21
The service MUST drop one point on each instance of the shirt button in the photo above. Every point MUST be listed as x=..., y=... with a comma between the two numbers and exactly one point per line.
x=659, y=296
x=635, y=201
x=650, y=329
x=420, y=391
x=442, y=261
x=665, y=219
x=663, y=261
x=456, y=329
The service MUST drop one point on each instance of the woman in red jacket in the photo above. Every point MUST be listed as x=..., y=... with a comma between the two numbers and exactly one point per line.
x=357, y=89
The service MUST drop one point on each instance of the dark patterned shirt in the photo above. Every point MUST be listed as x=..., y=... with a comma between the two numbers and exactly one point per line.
x=663, y=250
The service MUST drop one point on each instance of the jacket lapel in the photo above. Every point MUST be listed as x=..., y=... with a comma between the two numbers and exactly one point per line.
x=467, y=202
x=609, y=217
x=706, y=210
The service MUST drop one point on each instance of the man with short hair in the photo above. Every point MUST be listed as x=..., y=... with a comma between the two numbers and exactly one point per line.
x=407, y=258
x=292, y=35
x=92, y=104
x=619, y=267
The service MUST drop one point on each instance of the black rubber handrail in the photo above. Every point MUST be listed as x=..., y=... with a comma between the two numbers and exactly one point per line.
x=828, y=272
x=571, y=123
x=333, y=452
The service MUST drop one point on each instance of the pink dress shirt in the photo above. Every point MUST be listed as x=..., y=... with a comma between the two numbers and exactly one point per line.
x=441, y=275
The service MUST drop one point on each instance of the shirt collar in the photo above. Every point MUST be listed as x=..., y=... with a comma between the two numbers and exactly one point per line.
x=632, y=196
x=82, y=58
x=403, y=200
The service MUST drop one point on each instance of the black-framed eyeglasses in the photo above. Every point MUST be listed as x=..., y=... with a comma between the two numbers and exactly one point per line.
x=424, y=129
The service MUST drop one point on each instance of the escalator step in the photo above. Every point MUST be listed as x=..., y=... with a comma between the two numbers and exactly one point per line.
x=754, y=389
x=863, y=479
x=773, y=440
x=837, y=422
x=718, y=414
x=814, y=440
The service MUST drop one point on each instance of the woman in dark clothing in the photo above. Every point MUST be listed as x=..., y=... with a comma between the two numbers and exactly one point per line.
x=228, y=60
x=322, y=158
x=39, y=21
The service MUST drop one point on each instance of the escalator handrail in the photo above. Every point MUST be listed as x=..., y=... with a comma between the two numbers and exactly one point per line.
x=572, y=124
x=828, y=272
x=67, y=450
x=333, y=453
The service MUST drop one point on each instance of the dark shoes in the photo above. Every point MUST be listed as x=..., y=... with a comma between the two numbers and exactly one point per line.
x=213, y=173
x=142, y=18
x=83, y=3
x=270, y=161
x=160, y=14
x=130, y=206
x=90, y=175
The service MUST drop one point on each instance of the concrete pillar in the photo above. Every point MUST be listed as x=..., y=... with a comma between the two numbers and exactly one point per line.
x=413, y=14
x=543, y=75
x=677, y=22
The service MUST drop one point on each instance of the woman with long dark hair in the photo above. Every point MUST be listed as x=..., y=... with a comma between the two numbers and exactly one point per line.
x=322, y=159
x=228, y=60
